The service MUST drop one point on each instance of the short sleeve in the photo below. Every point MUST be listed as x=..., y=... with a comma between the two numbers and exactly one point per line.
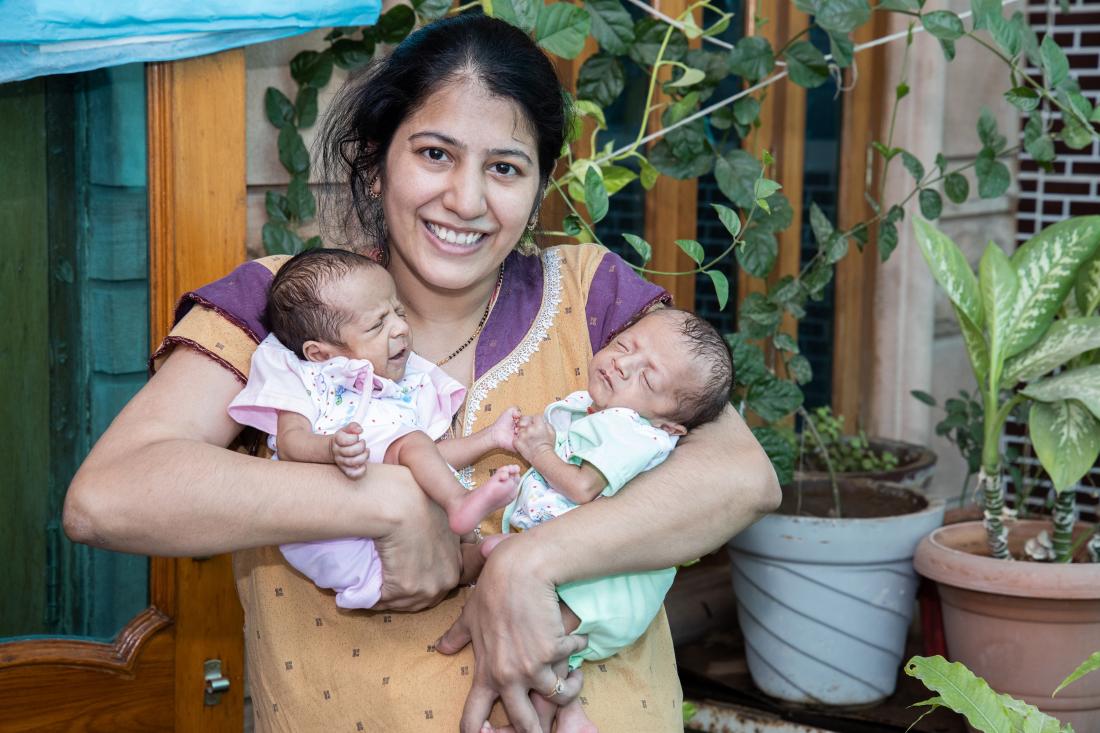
x=275, y=384
x=618, y=445
x=617, y=297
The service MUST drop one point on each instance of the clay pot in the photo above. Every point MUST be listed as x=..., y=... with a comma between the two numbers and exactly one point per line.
x=915, y=466
x=824, y=603
x=1022, y=626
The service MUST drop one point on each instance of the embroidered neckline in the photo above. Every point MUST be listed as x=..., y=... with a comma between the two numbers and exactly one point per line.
x=522, y=353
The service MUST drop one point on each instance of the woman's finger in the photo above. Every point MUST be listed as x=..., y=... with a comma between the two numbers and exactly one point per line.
x=571, y=644
x=454, y=639
x=521, y=713
x=478, y=705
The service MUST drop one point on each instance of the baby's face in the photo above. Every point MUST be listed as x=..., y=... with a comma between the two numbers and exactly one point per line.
x=377, y=330
x=644, y=368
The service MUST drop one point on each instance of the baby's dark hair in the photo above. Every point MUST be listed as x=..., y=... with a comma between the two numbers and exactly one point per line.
x=296, y=311
x=701, y=404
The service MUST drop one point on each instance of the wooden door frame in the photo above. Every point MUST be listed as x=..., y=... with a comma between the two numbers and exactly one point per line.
x=150, y=677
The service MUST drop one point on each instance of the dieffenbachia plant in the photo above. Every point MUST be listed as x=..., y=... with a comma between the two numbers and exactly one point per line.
x=1031, y=325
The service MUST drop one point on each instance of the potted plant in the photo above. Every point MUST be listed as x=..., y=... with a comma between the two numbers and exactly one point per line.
x=1032, y=331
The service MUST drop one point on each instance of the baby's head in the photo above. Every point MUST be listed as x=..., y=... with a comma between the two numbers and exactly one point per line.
x=325, y=303
x=671, y=367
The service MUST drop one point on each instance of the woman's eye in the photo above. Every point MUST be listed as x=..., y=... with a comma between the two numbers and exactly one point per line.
x=505, y=169
x=435, y=153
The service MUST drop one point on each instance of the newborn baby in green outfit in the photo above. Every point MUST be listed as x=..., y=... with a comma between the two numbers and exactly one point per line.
x=656, y=380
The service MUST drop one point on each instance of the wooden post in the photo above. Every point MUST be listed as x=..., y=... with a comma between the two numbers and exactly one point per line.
x=197, y=189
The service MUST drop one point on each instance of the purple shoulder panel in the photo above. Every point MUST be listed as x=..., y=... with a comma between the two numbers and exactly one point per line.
x=515, y=310
x=240, y=297
x=617, y=297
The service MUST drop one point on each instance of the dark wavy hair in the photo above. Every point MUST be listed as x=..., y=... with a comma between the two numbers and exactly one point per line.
x=360, y=125
x=705, y=401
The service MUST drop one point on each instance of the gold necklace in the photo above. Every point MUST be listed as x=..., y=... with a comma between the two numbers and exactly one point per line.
x=481, y=323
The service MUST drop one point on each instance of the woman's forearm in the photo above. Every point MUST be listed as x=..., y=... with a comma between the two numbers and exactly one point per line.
x=716, y=483
x=160, y=480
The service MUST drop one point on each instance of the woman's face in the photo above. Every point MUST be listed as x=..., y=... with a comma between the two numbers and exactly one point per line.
x=460, y=182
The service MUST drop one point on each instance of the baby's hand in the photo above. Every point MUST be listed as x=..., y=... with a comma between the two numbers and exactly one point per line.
x=349, y=451
x=534, y=435
x=503, y=431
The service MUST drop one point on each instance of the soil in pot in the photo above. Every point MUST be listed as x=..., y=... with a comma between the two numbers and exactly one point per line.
x=915, y=465
x=859, y=499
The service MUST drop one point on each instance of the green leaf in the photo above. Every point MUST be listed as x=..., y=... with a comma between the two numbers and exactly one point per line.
x=923, y=397
x=842, y=49
x=561, y=29
x=395, y=24
x=736, y=172
x=595, y=194
x=1089, y=665
x=950, y=269
x=757, y=252
x=906, y=6
x=842, y=16
x=1082, y=384
x=748, y=360
x=649, y=34
x=1066, y=439
x=987, y=131
x=648, y=173
x=817, y=278
x=1023, y=98
x=799, y=367
x=752, y=58
x=1065, y=339
x=306, y=106
x=640, y=246
x=948, y=49
x=1076, y=135
x=773, y=399
x=780, y=451
x=523, y=14
x=572, y=225
x=985, y=12
x=1047, y=265
x=960, y=690
x=692, y=249
x=943, y=24
x=931, y=205
x=977, y=348
x=912, y=165
x=762, y=188
x=300, y=199
x=312, y=243
x=349, y=54
x=806, y=65
x=956, y=187
x=993, y=176
x=729, y=219
x=601, y=79
x=1054, y=62
x=612, y=26
x=778, y=215
x=784, y=342
x=431, y=9
x=821, y=226
x=697, y=163
x=1087, y=288
x=999, y=286
x=688, y=78
x=279, y=110
x=757, y=317
x=721, y=287
x=746, y=110
x=615, y=177
x=1007, y=33
x=310, y=68
x=278, y=209
x=887, y=239
x=278, y=240
x=588, y=108
x=292, y=151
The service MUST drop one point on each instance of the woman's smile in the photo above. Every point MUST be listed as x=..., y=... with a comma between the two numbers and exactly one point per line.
x=456, y=241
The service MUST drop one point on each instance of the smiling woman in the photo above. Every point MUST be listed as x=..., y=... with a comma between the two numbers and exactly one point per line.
x=446, y=147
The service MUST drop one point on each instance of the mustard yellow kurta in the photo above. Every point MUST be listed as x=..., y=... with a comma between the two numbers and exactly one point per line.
x=315, y=667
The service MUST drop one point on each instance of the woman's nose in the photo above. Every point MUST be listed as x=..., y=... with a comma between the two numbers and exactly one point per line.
x=465, y=194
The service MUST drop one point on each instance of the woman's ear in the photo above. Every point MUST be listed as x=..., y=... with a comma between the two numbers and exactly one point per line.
x=316, y=351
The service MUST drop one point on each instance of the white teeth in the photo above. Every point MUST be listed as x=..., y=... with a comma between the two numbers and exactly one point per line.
x=453, y=237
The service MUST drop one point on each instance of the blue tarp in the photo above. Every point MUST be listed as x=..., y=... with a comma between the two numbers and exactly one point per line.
x=40, y=37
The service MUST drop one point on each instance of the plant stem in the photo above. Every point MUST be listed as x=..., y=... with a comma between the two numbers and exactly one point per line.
x=808, y=421
x=1064, y=506
x=1094, y=546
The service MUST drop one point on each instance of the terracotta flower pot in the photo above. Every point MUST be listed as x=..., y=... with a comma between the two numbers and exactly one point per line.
x=1021, y=626
x=915, y=466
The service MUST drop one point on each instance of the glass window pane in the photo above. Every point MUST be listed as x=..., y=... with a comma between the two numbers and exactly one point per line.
x=74, y=283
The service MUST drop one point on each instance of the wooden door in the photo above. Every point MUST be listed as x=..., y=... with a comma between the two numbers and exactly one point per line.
x=121, y=189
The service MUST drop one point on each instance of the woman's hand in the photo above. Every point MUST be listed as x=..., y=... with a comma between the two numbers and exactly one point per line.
x=420, y=556
x=514, y=622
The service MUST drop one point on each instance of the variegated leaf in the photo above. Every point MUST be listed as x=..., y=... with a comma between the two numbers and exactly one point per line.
x=999, y=285
x=950, y=269
x=976, y=346
x=1066, y=439
x=1081, y=384
x=1088, y=286
x=1065, y=339
x=1047, y=265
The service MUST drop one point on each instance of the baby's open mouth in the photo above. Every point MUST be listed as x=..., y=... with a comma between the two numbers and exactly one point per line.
x=399, y=355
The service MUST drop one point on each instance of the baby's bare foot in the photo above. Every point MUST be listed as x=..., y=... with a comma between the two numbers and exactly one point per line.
x=572, y=719
x=477, y=504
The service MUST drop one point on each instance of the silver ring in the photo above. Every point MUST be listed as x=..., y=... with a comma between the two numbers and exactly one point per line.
x=559, y=687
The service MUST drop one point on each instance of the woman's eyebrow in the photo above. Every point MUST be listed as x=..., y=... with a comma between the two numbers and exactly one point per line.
x=447, y=139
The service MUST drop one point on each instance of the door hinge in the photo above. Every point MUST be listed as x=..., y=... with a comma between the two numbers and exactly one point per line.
x=216, y=684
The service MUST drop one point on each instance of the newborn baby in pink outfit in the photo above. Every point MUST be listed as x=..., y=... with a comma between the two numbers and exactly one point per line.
x=337, y=382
